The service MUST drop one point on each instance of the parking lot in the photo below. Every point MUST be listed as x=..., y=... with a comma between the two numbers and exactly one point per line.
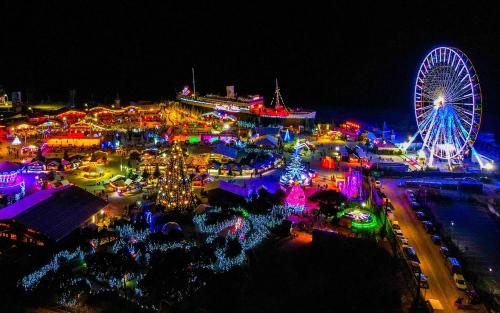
x=422, y=250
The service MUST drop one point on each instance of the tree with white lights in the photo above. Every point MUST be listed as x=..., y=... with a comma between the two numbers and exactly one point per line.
x=295, y=172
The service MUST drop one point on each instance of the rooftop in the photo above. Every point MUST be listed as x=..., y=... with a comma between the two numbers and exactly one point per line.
x=55, y=212
x=7, y=167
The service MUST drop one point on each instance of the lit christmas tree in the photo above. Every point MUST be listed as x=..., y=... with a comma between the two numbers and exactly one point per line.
x=296, y=199
x=287, y=136
x=295, y=171
x=175, y=185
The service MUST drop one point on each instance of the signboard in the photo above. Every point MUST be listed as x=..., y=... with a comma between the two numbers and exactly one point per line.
x=227, y=107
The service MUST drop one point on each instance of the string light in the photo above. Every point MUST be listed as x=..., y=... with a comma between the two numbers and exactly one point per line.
x=177, y=182
x=247, y=228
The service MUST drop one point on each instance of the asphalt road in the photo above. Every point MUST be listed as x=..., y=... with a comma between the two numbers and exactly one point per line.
x=432, y=263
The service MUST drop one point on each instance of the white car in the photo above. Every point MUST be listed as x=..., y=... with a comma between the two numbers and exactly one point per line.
x=398, y=233
x=459, y=281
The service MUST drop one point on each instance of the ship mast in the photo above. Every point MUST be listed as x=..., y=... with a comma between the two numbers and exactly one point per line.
x=194, y=83
x=280, y=104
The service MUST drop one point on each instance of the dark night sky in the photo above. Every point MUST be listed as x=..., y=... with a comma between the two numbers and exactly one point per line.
x=332, y=57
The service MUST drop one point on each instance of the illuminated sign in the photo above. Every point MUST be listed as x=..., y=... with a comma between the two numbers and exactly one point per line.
x=227, y=107
x=186, y=91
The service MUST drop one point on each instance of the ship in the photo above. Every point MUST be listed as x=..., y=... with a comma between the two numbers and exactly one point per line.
x=252, y=104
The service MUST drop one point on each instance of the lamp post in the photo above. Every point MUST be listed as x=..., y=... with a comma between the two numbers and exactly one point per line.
x=452, y=223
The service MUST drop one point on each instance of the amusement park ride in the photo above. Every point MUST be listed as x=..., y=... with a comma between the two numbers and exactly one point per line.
x=448, y=108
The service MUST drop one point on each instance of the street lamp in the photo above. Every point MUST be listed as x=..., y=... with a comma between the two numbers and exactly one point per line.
x=452, y=223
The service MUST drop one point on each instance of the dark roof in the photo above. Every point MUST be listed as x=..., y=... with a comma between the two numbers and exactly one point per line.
x=266, y=140
x=7, y=167
x=267, y=131
x=62, y=213
x=225, y=150
x=229, y=187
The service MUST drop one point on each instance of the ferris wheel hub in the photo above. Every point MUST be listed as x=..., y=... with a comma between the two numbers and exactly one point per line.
x=439, y=102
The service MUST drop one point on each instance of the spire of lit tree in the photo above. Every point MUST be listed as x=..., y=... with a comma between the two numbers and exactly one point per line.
x=175, y=191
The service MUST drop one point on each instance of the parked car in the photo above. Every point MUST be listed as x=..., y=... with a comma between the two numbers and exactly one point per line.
x=415, y=205
x=429, y=227
x=423, y=280
x=434, y=306
x=390, y=207
x=472, y=296
x=459, y=281
x=395, y=225
x=378, y=184
x=420, y=215
x=453, y=265
x=436, y=239
x=410, y=195
x=410, y=192
x=415, y=267
x=398, y=233
x=403, y=240
x=411, y=254
x=444, y=251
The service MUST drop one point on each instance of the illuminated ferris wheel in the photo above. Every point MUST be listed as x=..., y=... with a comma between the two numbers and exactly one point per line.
x=447, y=103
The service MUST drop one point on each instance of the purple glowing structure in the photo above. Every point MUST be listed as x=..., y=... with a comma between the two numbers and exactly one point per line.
x=353, y=189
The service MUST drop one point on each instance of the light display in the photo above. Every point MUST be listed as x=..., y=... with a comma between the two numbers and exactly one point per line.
x=245, y=124
x=295, y=172
x=31, y=281
x=185, y=91
x=353, y=188
x=128, y=236
x=16, y=141
x=9, y=174
x=287, y=136
x=259, y=150
x=175, y=191
x=248, y=229
x=327, y=162
x=362, y=219
x=448, y=105
x=296, y=198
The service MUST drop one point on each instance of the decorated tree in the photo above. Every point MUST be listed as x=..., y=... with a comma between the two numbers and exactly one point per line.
x=296, y=199
x=330, y=202
x=175, y=191
x=287, y=136
x=295, y=172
